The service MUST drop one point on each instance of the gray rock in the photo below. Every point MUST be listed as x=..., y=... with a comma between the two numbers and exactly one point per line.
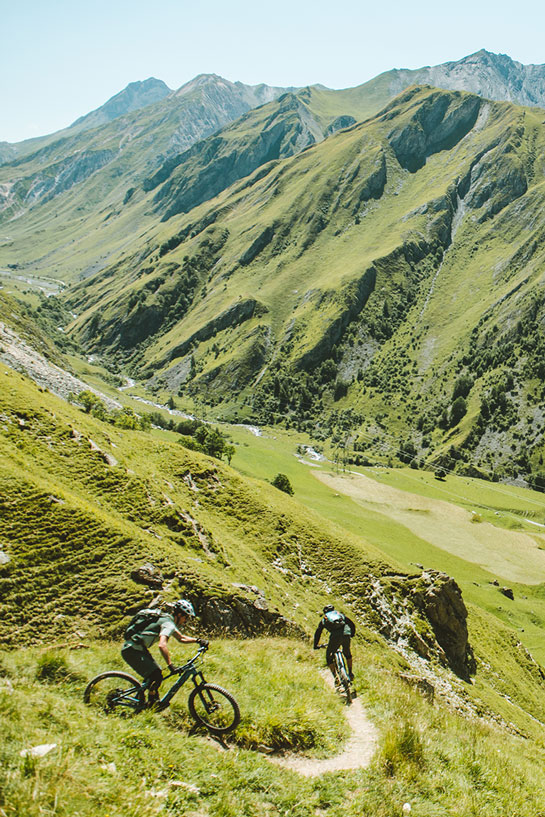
x=425, y=687
x=149, y=575
x=441, y=602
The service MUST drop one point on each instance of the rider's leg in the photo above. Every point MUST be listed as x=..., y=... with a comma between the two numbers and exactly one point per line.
x=348, y=655
x=145, y=665
x=154, y=682
x=332, y=647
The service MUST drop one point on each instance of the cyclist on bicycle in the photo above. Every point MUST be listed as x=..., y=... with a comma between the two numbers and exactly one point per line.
x=156, y=625
x=341, y=629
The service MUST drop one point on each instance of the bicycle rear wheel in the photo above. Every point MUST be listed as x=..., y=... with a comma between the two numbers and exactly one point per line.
x=344, y=678
x=115, y=691
x=214, y=707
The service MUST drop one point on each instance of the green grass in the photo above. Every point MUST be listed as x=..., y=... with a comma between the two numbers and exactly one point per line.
x=437, y=760
x=75, y=526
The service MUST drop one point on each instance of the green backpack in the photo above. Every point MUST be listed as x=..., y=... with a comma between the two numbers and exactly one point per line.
x=140, y=622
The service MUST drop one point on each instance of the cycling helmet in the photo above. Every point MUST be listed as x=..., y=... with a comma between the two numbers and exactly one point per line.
x=328, y=608
x=183, y=606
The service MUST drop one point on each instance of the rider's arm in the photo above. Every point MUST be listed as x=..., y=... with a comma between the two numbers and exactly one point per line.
x=317, y=635
x=185, y=639
x=163, y=644
x=163, y=649
x=351, y=625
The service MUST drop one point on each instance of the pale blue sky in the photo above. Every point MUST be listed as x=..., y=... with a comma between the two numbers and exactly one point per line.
x=60, y=59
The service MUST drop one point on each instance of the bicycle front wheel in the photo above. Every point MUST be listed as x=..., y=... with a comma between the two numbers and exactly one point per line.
x=214, y=707
x=115, y=691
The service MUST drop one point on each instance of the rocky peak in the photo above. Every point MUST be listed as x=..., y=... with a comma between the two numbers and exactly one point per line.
x=135, y=96
x=494, y=76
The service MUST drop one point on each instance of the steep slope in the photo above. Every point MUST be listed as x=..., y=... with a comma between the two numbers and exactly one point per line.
x=80, y=200
x=94, y=510
x=370, y=265
x=207, y=96
x=96, y=521
x=99, y=176
x=273, y=132
x=70, y=183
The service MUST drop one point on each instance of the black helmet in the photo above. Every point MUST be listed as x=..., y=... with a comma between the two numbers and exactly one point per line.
x=328, y=608
x=183, y=606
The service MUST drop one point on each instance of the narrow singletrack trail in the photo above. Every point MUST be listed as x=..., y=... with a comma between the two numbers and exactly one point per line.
x=357, y=753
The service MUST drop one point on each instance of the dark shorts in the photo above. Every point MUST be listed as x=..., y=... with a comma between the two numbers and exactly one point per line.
x=142, y=662
x=336, y=641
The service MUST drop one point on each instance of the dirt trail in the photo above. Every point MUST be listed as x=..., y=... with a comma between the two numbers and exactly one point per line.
x=357, y=753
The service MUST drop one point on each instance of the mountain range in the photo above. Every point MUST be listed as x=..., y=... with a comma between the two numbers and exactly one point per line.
x=365, y=269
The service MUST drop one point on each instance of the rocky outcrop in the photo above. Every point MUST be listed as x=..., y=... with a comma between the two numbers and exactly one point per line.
x=494, y=76
x=246, y=613
x=236, y=314
x=238, y=615
x=60, y=177
x=437, y=124
x=355, y=297
x=439, y=597
x=341, y=122
x=257, y=246
x=425, y=615
x=149, y=575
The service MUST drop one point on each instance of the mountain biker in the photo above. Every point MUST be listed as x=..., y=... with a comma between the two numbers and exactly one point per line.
x=137, y=655
x=341, y=629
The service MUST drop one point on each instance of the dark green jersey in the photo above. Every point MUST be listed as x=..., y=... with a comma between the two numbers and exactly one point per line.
x=164, y=625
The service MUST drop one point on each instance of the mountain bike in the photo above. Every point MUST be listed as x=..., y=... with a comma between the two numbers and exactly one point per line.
x=209, y=705
x=342, y=675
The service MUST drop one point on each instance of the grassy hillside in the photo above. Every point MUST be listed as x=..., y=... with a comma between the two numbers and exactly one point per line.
x=382, y=288
x=74, y=201
x=84, y=503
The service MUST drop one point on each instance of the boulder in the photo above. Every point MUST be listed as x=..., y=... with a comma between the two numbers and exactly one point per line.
x=421, y=684
x=149, y=575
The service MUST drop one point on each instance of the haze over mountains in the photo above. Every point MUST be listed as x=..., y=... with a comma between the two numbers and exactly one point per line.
x=250, y=254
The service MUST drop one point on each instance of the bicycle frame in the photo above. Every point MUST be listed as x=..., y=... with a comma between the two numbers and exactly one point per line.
x=340, y=662
x=127, y=698
x=187, y=671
